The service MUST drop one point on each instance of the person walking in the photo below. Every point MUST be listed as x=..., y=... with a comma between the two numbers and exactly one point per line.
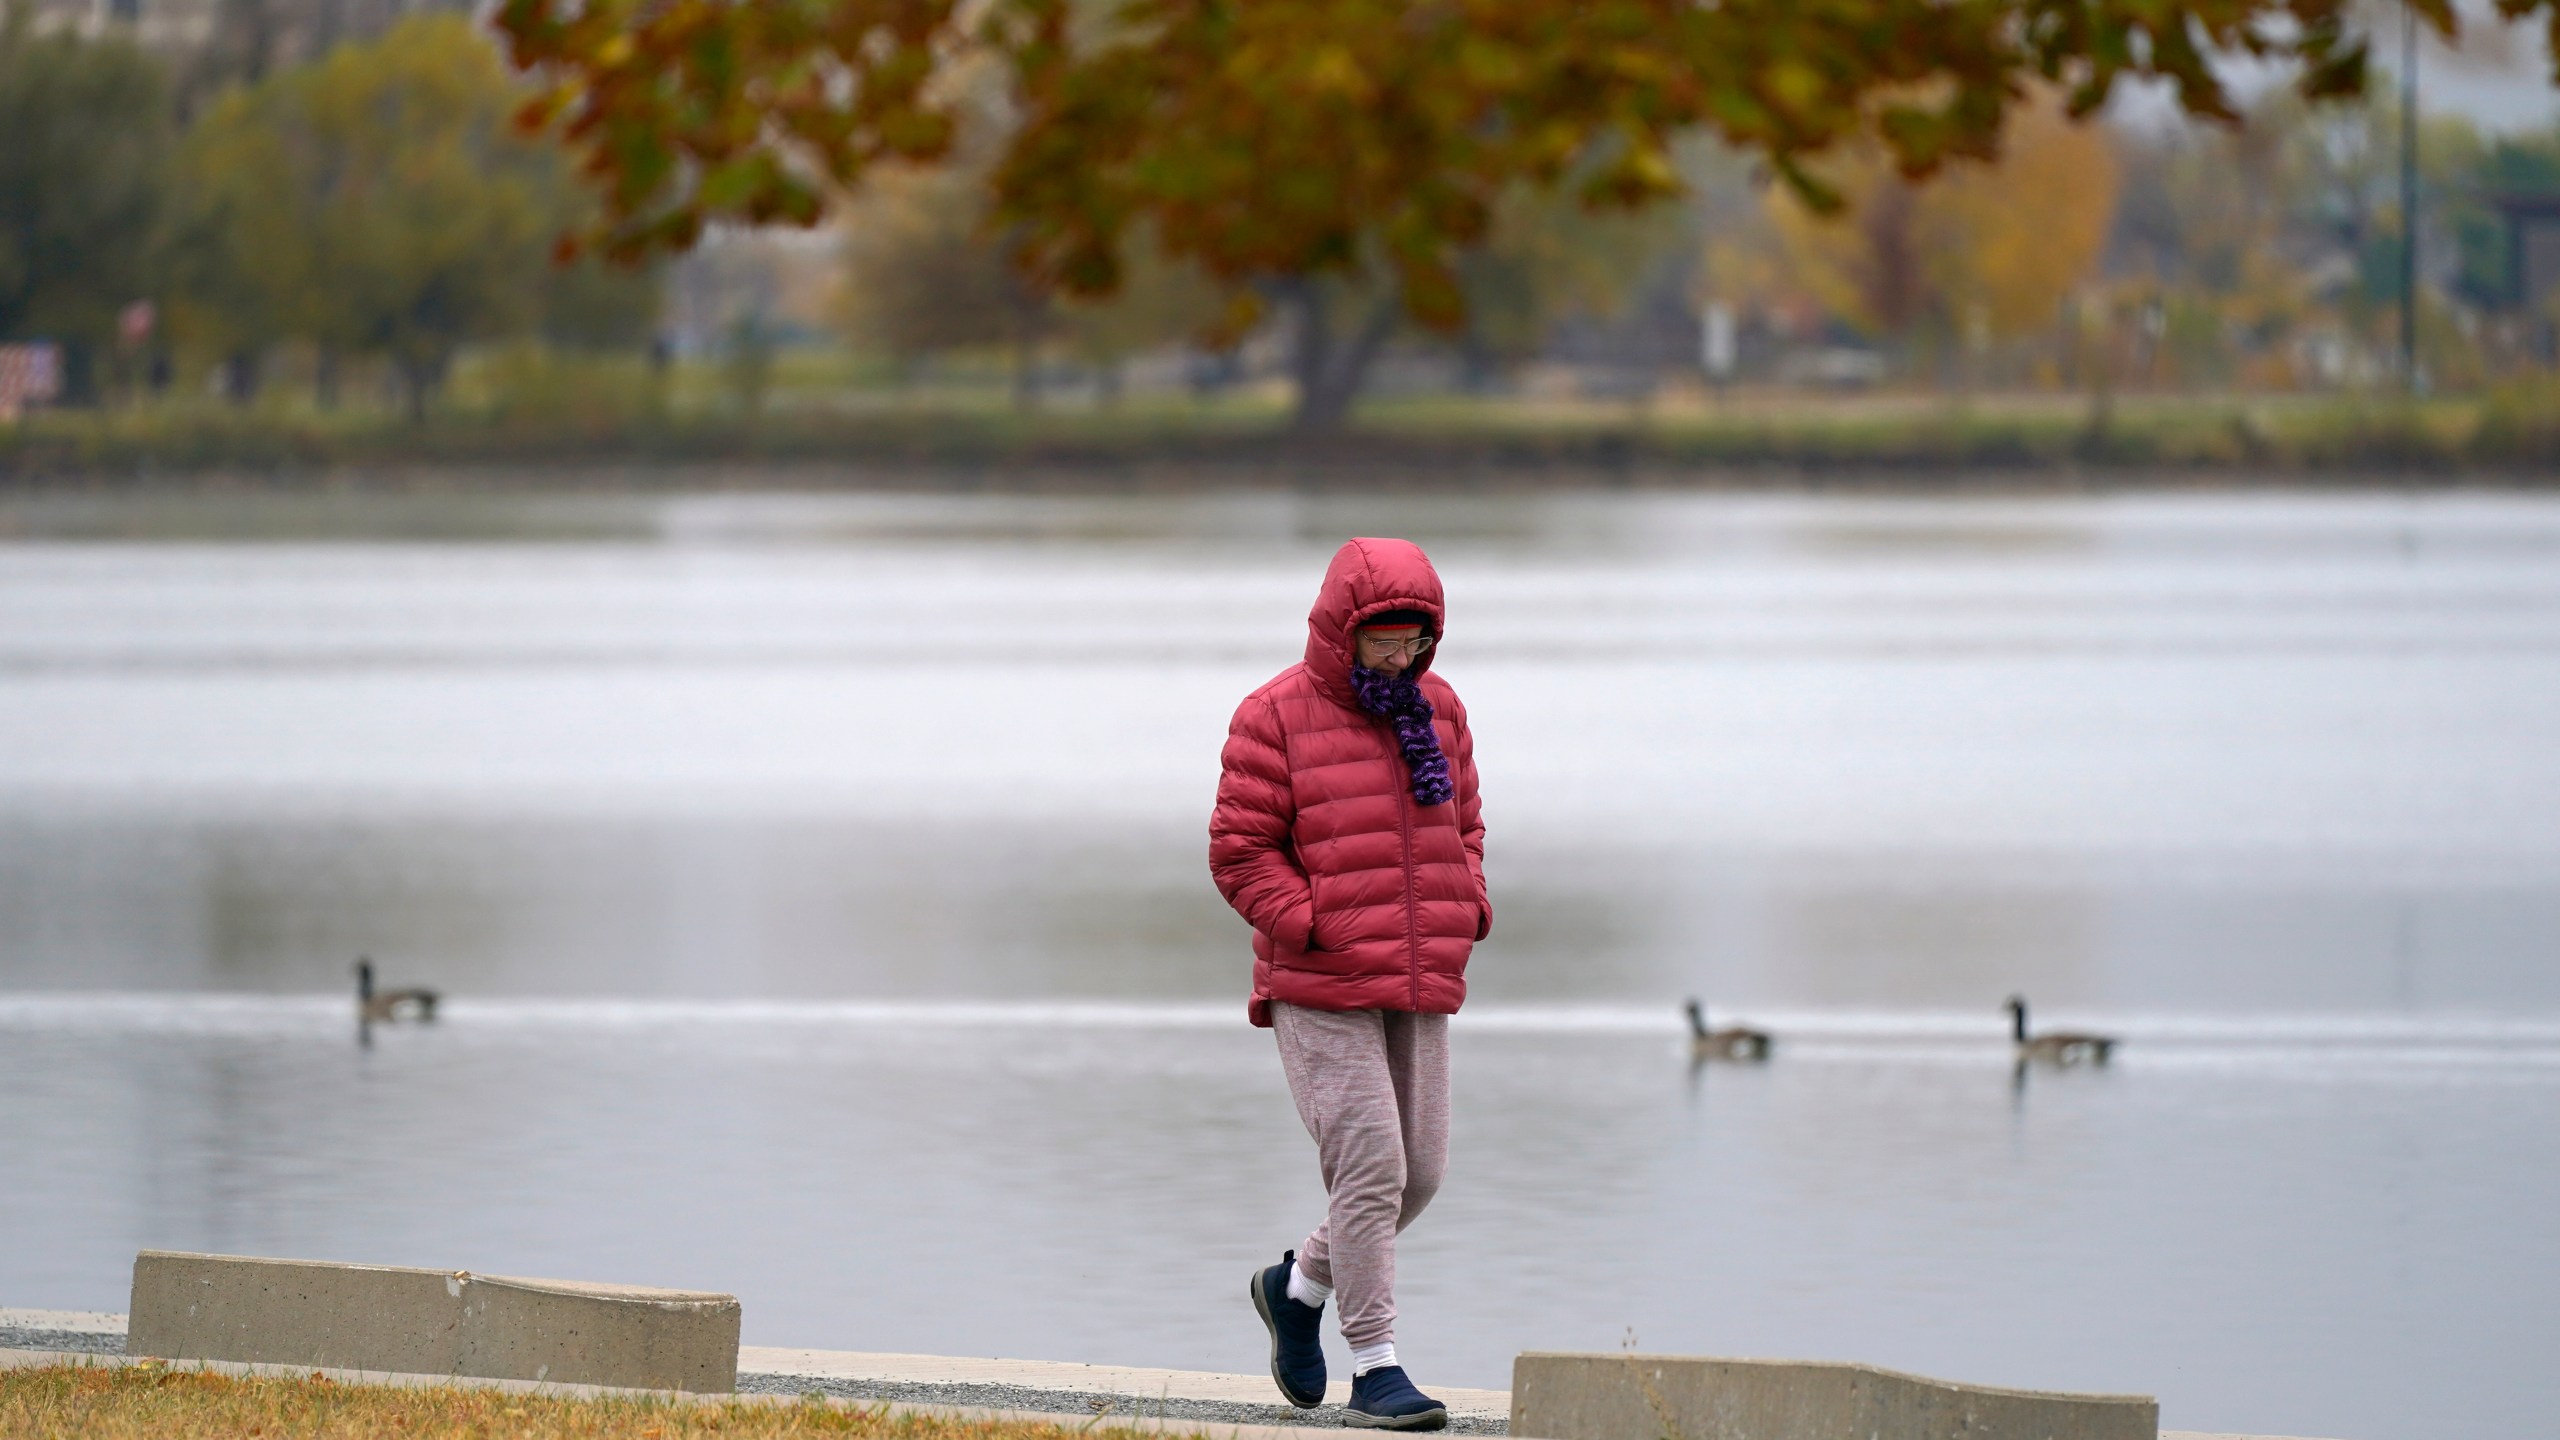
x=1348, y=835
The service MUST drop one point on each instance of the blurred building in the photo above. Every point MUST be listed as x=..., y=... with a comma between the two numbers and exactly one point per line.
x=777, y=284
x=168, y=26
x=234, y=38
x=2533, y=238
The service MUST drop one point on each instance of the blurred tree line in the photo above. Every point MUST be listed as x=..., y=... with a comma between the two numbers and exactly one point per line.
x=1348, y=166
x=371, y=208
x=359, y=213
x=2087, y=256
x=2271, y=254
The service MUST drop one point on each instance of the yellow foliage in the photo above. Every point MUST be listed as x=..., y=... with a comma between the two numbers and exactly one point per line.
x=1983, y=250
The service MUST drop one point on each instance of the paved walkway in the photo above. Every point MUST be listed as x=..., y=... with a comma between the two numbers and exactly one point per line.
x=1076, y=1389
x=1182, y=1401
x=93, y=1332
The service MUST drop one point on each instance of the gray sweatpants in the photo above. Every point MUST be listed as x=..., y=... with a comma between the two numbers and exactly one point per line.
x=1373, y=1089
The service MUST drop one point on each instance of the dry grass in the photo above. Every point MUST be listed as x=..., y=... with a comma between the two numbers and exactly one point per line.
x=149, y=1402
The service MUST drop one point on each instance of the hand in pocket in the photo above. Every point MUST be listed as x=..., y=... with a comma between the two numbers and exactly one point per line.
x=1320, y=935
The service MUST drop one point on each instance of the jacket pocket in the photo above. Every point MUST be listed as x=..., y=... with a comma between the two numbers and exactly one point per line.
x=1317, y=943
x=1297, y=925
x=1319, y=962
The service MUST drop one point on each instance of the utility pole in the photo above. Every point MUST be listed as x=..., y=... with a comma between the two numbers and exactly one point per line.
x=2409, y=378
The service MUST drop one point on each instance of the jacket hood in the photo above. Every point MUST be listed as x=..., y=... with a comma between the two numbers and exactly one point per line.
x=1369, y=576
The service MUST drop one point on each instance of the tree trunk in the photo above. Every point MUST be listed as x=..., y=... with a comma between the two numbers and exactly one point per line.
x=1029, y=313
x=240, y=378
x=246, y=30
x=1026, y=371
x=1328, y=369
x=79, y=378
x=1477, y=368
x=419, y=377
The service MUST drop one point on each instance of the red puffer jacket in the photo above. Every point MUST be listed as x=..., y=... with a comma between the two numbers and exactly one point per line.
x=1360, y=896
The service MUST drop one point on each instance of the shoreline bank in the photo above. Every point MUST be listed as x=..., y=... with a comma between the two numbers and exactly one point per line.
x=2510, y=438
x=1110, y=1397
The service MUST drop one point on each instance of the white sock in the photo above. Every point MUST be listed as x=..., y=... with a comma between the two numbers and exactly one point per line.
x=1305, y=1291
x=1365, y=1358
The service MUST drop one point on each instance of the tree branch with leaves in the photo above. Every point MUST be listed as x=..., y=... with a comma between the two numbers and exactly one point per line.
x=1278, y=145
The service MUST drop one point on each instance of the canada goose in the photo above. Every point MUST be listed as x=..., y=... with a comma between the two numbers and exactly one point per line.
x=414, y=1003
x=1734, y=1042
x=2060, y=1048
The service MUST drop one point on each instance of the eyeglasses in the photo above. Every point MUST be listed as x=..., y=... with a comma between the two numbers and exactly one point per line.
x=1409, y=649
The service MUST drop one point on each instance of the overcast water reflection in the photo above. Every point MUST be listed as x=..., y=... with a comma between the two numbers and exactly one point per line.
x=819, y=884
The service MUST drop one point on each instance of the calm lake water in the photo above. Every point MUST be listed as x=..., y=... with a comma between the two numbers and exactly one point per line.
x=820, y=888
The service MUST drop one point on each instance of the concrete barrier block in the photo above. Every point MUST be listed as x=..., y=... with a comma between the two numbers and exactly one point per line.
x=430, y=1322
x=1558, y=1396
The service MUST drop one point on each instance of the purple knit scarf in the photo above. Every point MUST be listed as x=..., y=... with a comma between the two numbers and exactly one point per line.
x=1399, y=698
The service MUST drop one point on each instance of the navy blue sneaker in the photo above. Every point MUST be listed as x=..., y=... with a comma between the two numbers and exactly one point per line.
x=1384, y=1399
x=1297, y=1344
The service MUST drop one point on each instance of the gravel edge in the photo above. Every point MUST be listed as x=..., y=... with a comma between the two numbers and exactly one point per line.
x=86, y=1342
x=1079, y=1403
